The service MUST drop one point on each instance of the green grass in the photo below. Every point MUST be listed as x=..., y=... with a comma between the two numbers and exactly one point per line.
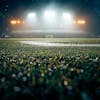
x=42, y=72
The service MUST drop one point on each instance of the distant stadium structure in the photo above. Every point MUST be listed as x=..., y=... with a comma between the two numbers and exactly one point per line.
x=49, y=24
x=49, y=36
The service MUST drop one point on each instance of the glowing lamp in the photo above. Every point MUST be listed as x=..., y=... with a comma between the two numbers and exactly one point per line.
x=13, y=22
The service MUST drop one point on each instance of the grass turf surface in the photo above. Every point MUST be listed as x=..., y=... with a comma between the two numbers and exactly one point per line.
x=40, y=73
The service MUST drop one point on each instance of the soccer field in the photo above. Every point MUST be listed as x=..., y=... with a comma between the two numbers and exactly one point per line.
x=59, y=40
x=41, y=68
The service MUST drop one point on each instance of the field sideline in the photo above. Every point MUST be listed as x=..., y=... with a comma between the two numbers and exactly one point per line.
x=57, y=40
x=45, y=45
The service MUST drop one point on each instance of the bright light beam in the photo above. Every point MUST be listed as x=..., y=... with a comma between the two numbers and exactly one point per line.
x=31, y=18
x=13, y=22
x=67, y=16
x=31, y=15
x=49, y=15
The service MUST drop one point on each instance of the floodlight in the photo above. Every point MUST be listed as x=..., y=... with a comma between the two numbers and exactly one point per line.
x=31, y=15
x=18, y=22
x=81, y=21
x=49, y=14
x=49, y=17
x=31, y=18
x=67, y=16
x=13, y=22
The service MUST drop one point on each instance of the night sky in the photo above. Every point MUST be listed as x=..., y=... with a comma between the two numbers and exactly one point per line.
x=8, y=7
x=87, y=8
